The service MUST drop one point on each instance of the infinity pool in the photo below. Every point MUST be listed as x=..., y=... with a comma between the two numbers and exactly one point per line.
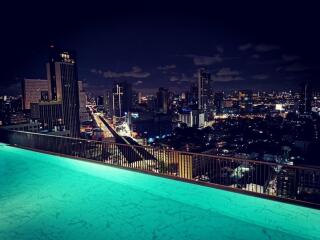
x=48, y=197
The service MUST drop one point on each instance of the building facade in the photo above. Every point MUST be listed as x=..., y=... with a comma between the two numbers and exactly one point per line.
x=204, y=89
x=33, y=91
x=162, y=100
x=305, y=101
x=63, y=87
x=218, y=102
x=51, y=115
x=83, y=113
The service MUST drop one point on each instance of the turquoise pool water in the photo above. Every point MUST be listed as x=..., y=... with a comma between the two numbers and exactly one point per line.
x=48, y=197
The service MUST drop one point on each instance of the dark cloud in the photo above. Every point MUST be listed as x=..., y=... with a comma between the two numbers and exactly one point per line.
x=295, y=67
x=138, y=83
x=290, y=58
x=245, y=47
x=166, y=67
x=200, y=60
x=174, y=79
x=220, y=49
x=227, y=71
x=182, y=78
x=266, y=47
x=226, y=74
x=255, y=56
x=260, y=76
x=136, y=72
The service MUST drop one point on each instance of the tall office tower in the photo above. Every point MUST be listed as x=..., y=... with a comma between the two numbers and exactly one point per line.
x=83, y=113
x=50, y=115
x=99, y=101
x=107, y=103
x=139, y=97
x=162, y=100
x=121, y=99
x=305, y=98
x=218, y=102
x=63, y=87
x=33, y=91
x=205, y=90
x=193, y=95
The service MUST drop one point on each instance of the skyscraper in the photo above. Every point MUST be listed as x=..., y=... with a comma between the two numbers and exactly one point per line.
x=204, y=90
x=50, y=115
x=63, y=87
x=162, y=100
x=218, y=102
x=83, y=113
x=107, y=103
x=305, y=98
x=99, y=101
x=121, y=98
x=192, y=95
x=139, y=97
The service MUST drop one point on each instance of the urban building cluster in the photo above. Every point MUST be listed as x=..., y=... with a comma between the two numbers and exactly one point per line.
x=277, y=126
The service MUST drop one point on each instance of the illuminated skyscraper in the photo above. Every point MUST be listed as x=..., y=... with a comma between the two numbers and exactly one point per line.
x=305, y=98
x=83, y=113
x=162, y=100
x=204, y=90
x=63, y=87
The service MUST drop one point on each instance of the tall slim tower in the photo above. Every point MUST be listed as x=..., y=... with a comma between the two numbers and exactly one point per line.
x=305, y=98
x=204, y=89
x=218, y=102
x=63, y=87
x=121, y=98
x=162, y=100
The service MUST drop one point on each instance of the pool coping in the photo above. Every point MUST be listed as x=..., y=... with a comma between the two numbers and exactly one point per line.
x=172, y=177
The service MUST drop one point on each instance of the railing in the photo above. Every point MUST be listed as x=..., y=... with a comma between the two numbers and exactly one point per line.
x=295, y=184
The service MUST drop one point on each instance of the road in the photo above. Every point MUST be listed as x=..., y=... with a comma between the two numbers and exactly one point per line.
x=138, y=152
x=101, y=125
x=131, y=153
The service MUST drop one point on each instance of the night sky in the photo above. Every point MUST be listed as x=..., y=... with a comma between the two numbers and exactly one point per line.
x=257, y=44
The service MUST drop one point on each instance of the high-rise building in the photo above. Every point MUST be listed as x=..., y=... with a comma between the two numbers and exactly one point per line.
x=305, y=100
x=34, y=90
x=139, y=97
x=204, y=90
x=107, y=103
x=50, y=115
x=192, y=95
x=191, y=117
x=121, y=98
x=63, y=87
x=83, y=113
x=99, y=101
x=162, y=100
x=218, y=102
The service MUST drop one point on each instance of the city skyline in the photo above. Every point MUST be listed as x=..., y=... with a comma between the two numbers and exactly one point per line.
x=160, y=120
x=165, y=47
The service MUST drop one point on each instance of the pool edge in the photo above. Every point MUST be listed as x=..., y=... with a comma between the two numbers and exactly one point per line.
x=211, y=185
